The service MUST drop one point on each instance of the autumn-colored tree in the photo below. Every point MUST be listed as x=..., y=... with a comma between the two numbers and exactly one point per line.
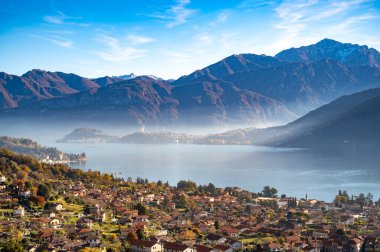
x=132, y=236
x=38, y=200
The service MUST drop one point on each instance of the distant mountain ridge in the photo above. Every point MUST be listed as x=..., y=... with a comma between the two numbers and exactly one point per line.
x=350, y=122
x=345, y=53
x=144, y=100
x=240, y=89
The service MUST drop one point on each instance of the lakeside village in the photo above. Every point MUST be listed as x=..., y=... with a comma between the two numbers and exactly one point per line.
x=51, y=207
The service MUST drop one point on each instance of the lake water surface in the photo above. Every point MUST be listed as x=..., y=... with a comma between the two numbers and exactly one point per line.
x=293, y=172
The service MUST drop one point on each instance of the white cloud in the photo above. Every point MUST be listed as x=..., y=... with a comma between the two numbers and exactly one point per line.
x=137, y=40
x=118, y=50
x=176, y=14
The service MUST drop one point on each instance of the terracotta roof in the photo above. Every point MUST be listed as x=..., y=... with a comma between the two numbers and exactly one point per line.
x=201, y=248
x=143, y=243
x=222, y=247
x=175, y=246
x=213, y=237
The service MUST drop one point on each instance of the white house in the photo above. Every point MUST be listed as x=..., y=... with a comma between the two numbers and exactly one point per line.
x=54, y=223
x=235, y=244
x=19, y=212
x=57, y=207
x=177, y=247
x=26, y=193
x=146, y=246
x=215, y=239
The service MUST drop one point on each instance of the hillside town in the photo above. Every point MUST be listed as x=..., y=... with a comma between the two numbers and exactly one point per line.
x=51, y=207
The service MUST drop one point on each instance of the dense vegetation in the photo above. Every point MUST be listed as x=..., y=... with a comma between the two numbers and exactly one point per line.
x=18, y=166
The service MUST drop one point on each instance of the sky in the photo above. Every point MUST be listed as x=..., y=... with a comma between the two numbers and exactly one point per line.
x=169, y=38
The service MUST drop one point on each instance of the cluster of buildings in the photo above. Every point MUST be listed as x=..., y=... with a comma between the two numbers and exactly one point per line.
x=146, y=218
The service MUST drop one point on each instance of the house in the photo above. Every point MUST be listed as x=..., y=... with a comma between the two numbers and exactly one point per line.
x=54, y=223
x=85, y=223
x=231, y=232
x=215, y=239
x=177, y=247
x=57, y=207
x=355, y=244
x=139, y=225
x=201, y=248
x=95, y=209
x=235, y=244
x=146, y=246
x=130, y=213
x=272, y=247
x=142, y=218
x=321, y=233
x=93, y=240
x=223, y=248
x=162, y=232
x=19, y=212
x=3, y=179
x=26, y=193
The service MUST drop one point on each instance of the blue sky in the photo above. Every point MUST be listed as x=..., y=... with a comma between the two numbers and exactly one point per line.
x=169, y=38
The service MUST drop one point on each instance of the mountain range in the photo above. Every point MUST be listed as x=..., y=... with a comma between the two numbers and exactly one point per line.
x=244, y=89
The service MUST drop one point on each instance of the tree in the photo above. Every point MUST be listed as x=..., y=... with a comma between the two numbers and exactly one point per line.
x=216, y=225
x=38, y=200
x=340, y=232
x=44, y=191
x=140, y=234
x=211, y=189
x=142, y=209
x=132, y=236
x=11, y=246
x=180, y=200
x=86, y=209
x=166, y=201
x=187, y=185
x=361, y=199
x=270, y=192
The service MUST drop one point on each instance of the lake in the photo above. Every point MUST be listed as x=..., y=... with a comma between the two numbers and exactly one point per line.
x=293, y=172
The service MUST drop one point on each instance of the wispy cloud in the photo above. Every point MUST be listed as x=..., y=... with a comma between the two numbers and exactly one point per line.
x=177, y=14
x=305, y=21
x=296, y=16
x=122, y=50
x=255, y=4
x=221, y=18
x=204, y=38
x=137, y=39
x=56, y=40
x=66, y=43
x=62, y=19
